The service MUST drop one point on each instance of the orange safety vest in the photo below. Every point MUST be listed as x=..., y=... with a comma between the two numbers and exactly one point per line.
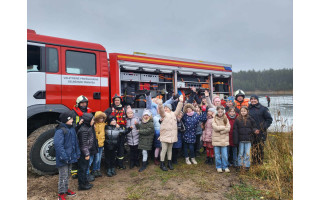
x=245, y=102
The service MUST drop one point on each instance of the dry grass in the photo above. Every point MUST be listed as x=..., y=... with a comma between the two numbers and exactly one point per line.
x=277, y=170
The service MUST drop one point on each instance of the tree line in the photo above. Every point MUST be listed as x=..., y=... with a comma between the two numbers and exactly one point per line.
x=265, y=80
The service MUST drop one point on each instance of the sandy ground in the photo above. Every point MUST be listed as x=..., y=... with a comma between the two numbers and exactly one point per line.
x=184, y=182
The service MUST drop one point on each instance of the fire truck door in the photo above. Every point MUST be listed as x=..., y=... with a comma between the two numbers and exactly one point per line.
x=80, y=76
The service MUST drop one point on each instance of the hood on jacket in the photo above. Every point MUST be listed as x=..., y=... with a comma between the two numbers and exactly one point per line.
x=188, y=105
x=98, y=115
x=87, y=117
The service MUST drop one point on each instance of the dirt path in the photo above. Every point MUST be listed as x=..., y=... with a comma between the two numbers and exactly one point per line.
x=184, y=182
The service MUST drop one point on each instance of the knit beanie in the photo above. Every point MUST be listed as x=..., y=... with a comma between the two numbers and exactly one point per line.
x=254, y=96
x=230, y=99
x=87, y=117
x=66, y=116
x=212, y=110
x=146, y=112
x=168, y=106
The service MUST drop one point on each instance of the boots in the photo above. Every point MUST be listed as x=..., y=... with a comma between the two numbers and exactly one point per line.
x=90, y=177
x=163, y=166
x=113, y=171
x=85, y=187
x=210, y=161
x=120, y=164
x=156, y=161
x=109, y=173
x=131, y=164
x=137, y=163
x=207, y=160
x=143, y=167
x=170, y=165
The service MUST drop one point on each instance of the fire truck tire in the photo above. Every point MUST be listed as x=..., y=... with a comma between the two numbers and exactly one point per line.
x=40, y=151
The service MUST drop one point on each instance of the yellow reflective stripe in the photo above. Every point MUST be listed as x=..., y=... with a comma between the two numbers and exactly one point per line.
x=170, y=62
x=77, y=119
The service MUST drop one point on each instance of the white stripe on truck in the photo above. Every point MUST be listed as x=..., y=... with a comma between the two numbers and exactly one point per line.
x=55, y=79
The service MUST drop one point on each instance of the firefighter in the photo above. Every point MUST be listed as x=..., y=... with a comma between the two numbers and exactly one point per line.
x=119, y=112
x=78, y=110
x=240, y=99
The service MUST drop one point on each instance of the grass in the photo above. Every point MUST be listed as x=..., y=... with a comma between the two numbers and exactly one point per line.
x=244, y=191
x=276, y=173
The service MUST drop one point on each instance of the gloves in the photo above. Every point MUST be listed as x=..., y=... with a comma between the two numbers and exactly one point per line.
x=176, y=96
x=204, y=108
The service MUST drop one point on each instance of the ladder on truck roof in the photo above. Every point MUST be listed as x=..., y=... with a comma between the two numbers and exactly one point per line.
x=181, y=59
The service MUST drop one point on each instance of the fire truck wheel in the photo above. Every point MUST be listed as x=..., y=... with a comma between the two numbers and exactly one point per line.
x=41, y=153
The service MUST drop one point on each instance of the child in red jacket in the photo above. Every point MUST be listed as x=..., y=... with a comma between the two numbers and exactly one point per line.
x=232, y=149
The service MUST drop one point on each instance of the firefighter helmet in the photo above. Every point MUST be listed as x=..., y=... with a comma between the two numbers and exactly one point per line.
x=81, y=99
x=240, y=93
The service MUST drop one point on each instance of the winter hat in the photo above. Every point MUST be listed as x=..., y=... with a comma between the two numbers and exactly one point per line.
x=254, y=96
x=212, y=110
x=230, y=99
x=168, y=106
x=111, y=118
x=87, y=117
x=98, y=115
x=66, y=116
x=188, y=105
x=146, y=112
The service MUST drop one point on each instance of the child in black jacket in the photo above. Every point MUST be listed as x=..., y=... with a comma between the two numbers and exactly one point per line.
x=88, y=147
x=114, y=132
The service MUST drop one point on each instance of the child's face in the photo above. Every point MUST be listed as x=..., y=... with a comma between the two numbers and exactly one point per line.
x=220, y=112
x=243, y=112
x=166, y=109
x=197, y=109
x=229, y=103
x=146, y=117
x=232, y=113
x=217, y=102
x=130, y=114
x=179, y=116
x=100, y=120
x=69, y=122
x=113, y=122
x=210, y=113
x=189, y=110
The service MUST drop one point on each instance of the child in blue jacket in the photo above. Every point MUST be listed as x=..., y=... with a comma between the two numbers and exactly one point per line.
x=67, y=152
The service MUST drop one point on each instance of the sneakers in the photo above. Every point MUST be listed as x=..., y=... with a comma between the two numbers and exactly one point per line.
x=219, y=170
x=62, y=196
x=188, y=161
x=70, y=193
x=193, y=160
x=227, y=170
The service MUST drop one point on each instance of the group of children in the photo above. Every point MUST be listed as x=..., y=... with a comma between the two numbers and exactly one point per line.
x=222, y=130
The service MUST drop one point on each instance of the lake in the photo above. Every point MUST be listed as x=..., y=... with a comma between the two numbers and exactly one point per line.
x=281, y=109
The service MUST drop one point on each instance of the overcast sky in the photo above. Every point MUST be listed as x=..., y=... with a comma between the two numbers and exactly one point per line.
x=248, y=34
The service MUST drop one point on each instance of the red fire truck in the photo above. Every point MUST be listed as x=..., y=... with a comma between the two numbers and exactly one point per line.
x=60, y=70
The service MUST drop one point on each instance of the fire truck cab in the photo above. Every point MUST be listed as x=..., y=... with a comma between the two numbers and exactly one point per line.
x=59, y=70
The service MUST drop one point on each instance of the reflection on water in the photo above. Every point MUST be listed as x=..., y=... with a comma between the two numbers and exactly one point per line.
x=281, y=109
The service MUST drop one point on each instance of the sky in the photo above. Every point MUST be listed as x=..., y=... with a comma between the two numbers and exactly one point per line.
x=248, y=34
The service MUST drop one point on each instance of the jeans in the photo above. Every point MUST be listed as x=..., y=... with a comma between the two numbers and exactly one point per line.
x=64, y=174
x=96, y=160
x=189, y=146
x=83, y=166
x=244, y=154
x=232, y=152
x=221, y=155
